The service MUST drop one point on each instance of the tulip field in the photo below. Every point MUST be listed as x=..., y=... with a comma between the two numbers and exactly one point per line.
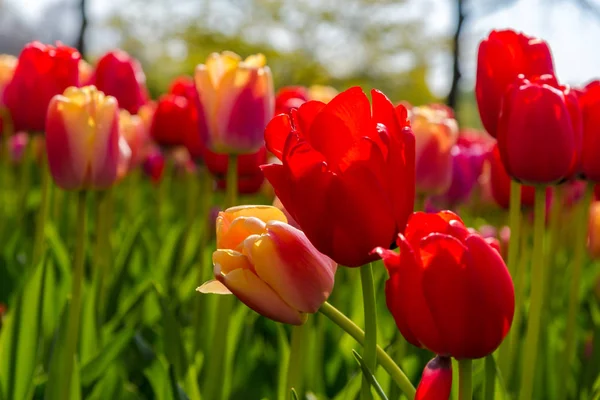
x=236, y=240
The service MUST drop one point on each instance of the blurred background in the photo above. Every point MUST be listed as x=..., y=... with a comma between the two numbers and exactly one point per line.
x=415, y=50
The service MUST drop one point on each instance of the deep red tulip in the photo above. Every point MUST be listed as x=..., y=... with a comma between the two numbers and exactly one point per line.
x=289, y=97
x=502, y=56
x=449, y=290
x=348, y=174
x=539, y=131
x=154, y=165
x=436, y=381
x=41, y=73
x=173, y=121
x=597, y=192
x=184, y=86
x=120, y=75
x=589, y=100
x=500, y=183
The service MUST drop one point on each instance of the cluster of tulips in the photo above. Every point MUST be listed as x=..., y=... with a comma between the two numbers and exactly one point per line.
x=344, y=174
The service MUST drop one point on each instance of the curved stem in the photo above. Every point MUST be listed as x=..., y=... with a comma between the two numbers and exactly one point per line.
x=536, y=297
x=576, y=269
x=370, y=311
x=465, y=379
x=514, y=223
x=383, y=358
x=75, y=305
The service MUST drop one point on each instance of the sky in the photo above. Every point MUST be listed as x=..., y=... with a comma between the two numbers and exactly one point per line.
x=572, y=32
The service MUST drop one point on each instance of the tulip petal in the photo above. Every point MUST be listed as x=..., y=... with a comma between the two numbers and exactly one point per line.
x=276, y=134
x=491, y=298
x=436, y=381
x=289, y=263
x=213, y=287
x=226, y=260
x=304, y=116
x=422, y=224
x=260, y=297
x=445, y=289
x=238, y=230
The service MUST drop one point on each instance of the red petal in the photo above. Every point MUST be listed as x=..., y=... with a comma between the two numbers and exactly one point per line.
x=305, y=115
x=445, y=290
x=276, y=133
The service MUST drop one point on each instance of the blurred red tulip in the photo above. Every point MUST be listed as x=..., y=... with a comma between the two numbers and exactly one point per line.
x=120, y=75
x=449, y=290
x=500, y=183
x=41, y=73
x=502, y=56
x=348, y=173
x=289, y=97
x=250, y=177
x=82, y=139
x=154, y=165
x=131, y=128
x=539, y=131
x=436, y=381
x=589, y=100
x=17, y=144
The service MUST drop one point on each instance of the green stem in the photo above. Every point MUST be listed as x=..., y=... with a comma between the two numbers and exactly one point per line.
x=514, y=223
x=532, y=339
x=553, y=246
x=581, y=221
x=39, y=242
x=513, y=338
x=75, y=304
x=232, y=182
x=383, y=358
x=490, y=378
x=465, y=379
x=215, y=376
x=296, y=360
x=370, y=311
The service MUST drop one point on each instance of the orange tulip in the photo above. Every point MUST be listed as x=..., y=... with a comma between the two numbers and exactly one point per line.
x=269, y=265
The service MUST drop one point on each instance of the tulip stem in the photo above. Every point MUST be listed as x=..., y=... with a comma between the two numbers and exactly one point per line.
x=370, y=311
x=296, y=359
x=532, y=339
x=38, y=244
x=75, y=304
x=514, y=223
x=395, y=372
x=232, y=182
x=490, y=377
x=465, y=379
x=576, y=268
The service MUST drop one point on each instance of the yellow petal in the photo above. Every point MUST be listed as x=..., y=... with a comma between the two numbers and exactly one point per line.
x=225, y=261
x=255, y=61
x=239, y=229
x=213, y=287
x=218, y=65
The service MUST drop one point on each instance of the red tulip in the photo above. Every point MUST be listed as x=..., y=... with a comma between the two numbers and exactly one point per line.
x=41, y=73
x=502, y=56
x=120, y=75
x=289, y=97
x=348, y=174
x=184, y=86
x=449, y=290
x=436, y=382
x=500, y=183
x=154, y=165
x=589, y=100
x=539, y=131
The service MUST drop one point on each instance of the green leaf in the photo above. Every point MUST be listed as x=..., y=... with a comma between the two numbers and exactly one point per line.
x=369, y=375
x=191, y=383
x=293, y=394
x=54, y=383
x=20, y=338
x=58, y=251
x=133, y=301
x=283, y=348
x=167, y=260
x=176, y=390
x=109, y=387
x=75, y=383
x=90, y=341
x=96, y=367
x=172, y=339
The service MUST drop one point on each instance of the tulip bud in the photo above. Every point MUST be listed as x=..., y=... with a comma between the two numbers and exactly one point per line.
x=8, y=64
x=269, y=265
x=86, y=73
x=539, y=131
x=120, y=75
x=154, y=165
x=436, y=132
x=589, y=100
x=436, y=381
x=82, y=139
x=236, y=102
x=290, y=97
x=500, y=183
x=449, y=290
x=17, y=144
x=41, y=73
x=131, y=128
x=501, y=57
